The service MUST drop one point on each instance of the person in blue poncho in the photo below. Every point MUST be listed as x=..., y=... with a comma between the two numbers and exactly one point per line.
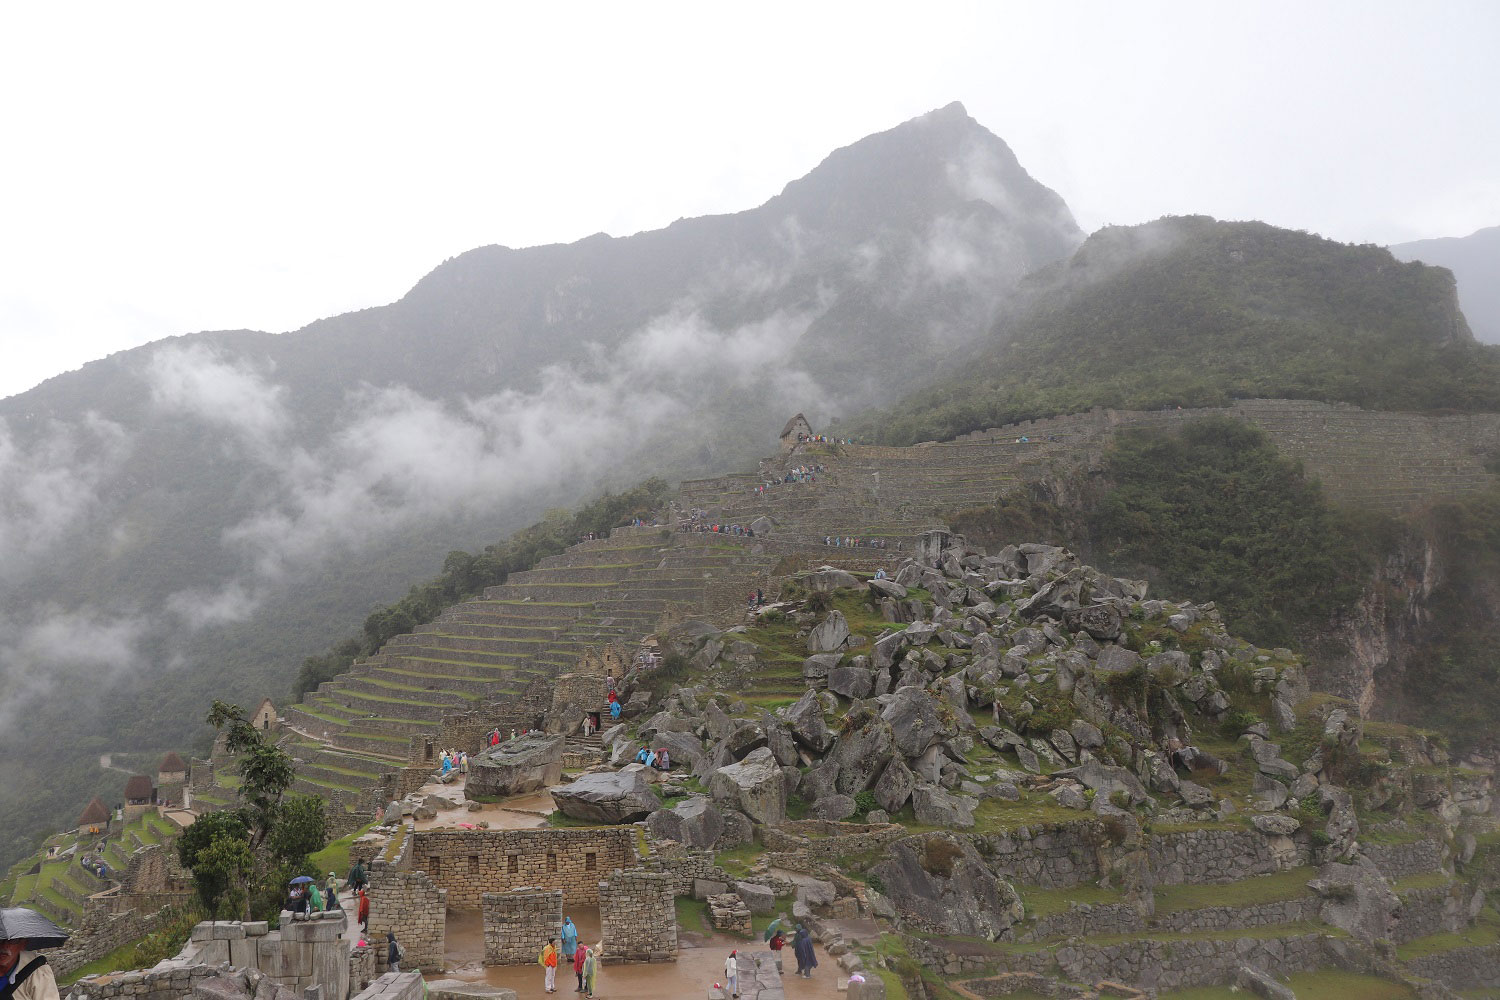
x=569, y=938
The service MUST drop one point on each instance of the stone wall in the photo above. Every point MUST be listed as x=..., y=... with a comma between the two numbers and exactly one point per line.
x=1398, y=861
x=683, y=865
x=395, y=986
x=1201, y=856
x=518, y=924
x=100, y=932
x=469, y=863
x=1461, y=968
x=1430, y=911
x=1052, y=856
x=638, y=917
x=409, y=903
x=165, y=984
x=1164, y=965
x=828, y=839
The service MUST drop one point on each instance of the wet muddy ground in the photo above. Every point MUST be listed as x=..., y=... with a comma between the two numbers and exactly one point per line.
x=700, y=964
x=519, y=812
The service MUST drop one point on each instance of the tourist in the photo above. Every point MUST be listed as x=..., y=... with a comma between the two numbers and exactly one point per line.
x=363, y=913
x=732, y=974
x=315, y=898
x=579, y=957
x=802, y=947
x=357, y=877
x=463, y=762
x=663, y=760
x=569, y=938
x=614, y=710
x=590, y=969
x=609, y=683
x=393, y=952
x=777, y=942
x=331, y=892
x=640, y=757
x=548, y=959
x=296, y=900
x=25, y=975
x=588, y=726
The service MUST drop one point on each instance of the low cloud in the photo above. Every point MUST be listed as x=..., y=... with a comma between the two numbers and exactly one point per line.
x=47, y=650
x=50, y=483
x=197, y=380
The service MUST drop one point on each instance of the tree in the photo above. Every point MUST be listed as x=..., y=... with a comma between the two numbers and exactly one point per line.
x=301, y=829
x=197, y=837
x=266, y=771
x=221, y=873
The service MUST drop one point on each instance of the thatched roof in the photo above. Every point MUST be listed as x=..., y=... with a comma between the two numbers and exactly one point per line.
x=139, y=787
x=170, y=763
x=94, y=812
x=792, y=424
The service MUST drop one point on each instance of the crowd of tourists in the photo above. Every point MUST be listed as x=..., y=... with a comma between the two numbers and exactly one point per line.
x=851, y=542
x=703, y=527
x=800, y=474
x=822, y=439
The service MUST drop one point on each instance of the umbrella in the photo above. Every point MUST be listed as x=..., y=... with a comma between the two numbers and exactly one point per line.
x=301, y=879
x=17, y=922
x=771, y=928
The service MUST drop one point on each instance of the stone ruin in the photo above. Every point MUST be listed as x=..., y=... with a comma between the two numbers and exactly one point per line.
x=525, y=764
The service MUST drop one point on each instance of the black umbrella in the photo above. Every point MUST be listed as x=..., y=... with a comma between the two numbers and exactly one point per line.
x=17, y=922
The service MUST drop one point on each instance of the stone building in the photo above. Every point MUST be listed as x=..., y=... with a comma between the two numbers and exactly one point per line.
x=94, y=819
x=796, y=426
x=584, y=689
x=265, y=716
x=171, y=779
x=140, y=796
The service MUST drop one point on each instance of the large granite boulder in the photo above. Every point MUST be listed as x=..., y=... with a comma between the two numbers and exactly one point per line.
x=915, y=720
x=940, y=884
x=826, y=578
x=608, y=797
x=830, y=635
x=515, y=766
x=851, y=682
x=894, y=786
x=1106, y=780
x=754, y=785
x=1356, y=898
x=1101, y=621
x=935, y=807
x=695, y=822
x=860, y=753
x=880, y=589
x=805, y=720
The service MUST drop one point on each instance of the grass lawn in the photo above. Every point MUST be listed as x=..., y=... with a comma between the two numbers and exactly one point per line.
x=335, y=857
x=1049, y=902
x=1290, y=884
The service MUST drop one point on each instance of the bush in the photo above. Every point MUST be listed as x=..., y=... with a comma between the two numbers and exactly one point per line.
x=1237, y=722
x=865, y=802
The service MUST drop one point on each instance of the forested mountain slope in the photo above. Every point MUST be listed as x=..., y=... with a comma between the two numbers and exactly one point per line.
x=1195, y=312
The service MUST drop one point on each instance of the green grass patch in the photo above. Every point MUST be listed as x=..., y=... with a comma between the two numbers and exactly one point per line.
x=737, y=860
x=1050, y=902
x=692, y=915
x=335, y=857
x=1290, y=884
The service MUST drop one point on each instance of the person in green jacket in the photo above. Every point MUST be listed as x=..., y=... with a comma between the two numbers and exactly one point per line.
x=315, y=898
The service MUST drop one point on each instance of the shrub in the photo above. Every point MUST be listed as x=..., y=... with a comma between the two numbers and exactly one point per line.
x=865, y=801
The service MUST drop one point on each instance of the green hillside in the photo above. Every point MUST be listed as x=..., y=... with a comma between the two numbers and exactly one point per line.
x=1194, y=312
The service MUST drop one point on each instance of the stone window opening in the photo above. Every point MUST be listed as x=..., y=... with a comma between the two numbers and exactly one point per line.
x=435, y=865
x=514, y=865
x=590, y=861
x=473, y=864
x=551, y=862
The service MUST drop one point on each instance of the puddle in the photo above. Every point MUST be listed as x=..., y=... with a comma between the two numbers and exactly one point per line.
x=700, y=964
x=519, y=812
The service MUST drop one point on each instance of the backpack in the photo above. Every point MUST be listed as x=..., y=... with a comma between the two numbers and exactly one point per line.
x=400, y=952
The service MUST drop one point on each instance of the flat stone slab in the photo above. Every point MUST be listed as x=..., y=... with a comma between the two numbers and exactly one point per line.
x=524, y=764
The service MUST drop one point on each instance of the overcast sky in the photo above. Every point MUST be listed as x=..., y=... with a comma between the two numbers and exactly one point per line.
x=168, y=168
